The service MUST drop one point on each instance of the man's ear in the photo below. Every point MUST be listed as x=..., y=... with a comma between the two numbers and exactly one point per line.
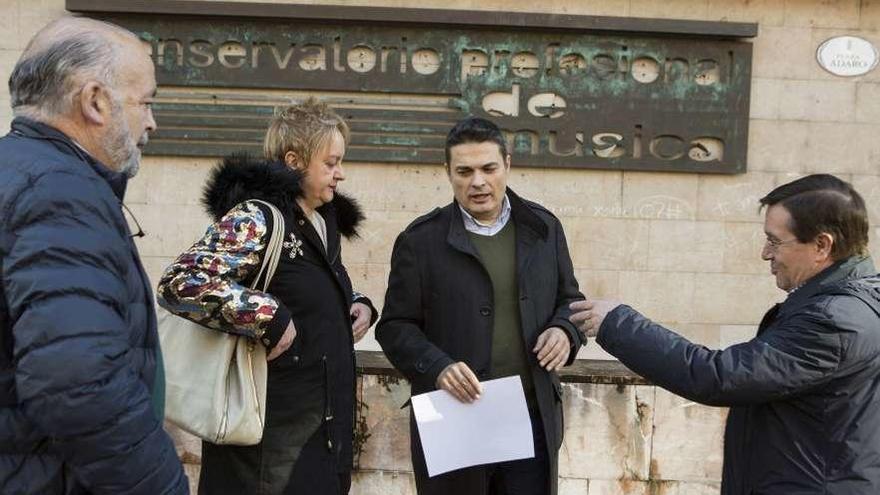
x=94, y=104
x=824, y=245
x=507, y=162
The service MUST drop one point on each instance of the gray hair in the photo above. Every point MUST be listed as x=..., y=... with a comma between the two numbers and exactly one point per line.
x=61, y=57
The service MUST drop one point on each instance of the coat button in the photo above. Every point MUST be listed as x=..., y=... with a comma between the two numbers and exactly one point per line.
x=485, y=311
x=295, y=358
x=266, y=341
x=301, y=222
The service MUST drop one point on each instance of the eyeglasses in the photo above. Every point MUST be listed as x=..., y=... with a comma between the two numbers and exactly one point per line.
x=773, y=245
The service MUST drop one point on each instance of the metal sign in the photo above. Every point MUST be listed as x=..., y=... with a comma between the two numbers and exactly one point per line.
x=586, y=96
x=847, y=56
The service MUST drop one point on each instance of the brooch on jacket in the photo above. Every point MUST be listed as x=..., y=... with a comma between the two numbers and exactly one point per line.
x=294, y=245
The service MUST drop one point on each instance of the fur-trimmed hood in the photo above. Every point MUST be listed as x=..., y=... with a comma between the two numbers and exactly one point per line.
x=240, y=177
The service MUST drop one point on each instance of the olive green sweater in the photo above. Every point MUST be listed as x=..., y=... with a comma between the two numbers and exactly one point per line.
x=498, y=254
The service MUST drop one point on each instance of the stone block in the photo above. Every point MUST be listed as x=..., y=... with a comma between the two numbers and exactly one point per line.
x=602, y=7
x=155, y=266
x=778, y=145
x=377, y=236
x=737, y=334
x=569, y=193
x=870, y=15
x=593, y=351
x=661, y=296
x=387, y=447
x=764, y=98
x=674, y=9
x=382, y=483
x=188, y=447
x=599, y=284
x=660, y=196
x=733, y=198
x=8, y=59
x=619, y=487
x=843, y=149
x=9, y=16
x=733, y=299
x=782, y=53
x=687, y=442
x=868, y=186
x=743, y=243
x=192, y=473
x=568, y=486
x=818, y=101
x=175, y=180
x=170, y=229
x=822, y=13
x=607, y=432
x=35, y=14
x=412, y=188
x=867, y=109
x=764, y=12
x=686, y=246
x=608, y=243
x=684, y=488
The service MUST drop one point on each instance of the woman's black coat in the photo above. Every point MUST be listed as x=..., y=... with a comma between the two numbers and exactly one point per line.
x=315, y=378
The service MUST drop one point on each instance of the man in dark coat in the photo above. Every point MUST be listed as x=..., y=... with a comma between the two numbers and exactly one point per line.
x=80, y=369
x=480, y=289
x=804, y=394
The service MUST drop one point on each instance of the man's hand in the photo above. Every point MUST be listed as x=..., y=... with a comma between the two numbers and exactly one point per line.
x=553, y=348
x=460, y=381
x=589, y=315
x=361, y=314
x=285, y=342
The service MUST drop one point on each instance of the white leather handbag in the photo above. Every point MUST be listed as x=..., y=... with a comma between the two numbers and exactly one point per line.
x=215, y=382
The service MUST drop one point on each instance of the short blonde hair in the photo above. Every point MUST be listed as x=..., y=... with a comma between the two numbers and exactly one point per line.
x=302, y=129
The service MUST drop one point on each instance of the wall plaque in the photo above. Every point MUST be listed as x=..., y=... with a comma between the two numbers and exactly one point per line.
x=569, y=91
x=847, y=56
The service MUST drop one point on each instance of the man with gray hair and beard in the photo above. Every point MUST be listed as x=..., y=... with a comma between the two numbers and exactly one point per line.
x=81, y=383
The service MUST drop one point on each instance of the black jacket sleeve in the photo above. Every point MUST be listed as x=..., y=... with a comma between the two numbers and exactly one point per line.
x=797, y=354
x=400, y=330
x=64, y=281
x=567, y=292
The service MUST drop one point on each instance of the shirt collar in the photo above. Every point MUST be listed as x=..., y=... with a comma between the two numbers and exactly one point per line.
x=472, y=225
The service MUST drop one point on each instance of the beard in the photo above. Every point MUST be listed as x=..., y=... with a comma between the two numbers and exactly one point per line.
x=123, y=151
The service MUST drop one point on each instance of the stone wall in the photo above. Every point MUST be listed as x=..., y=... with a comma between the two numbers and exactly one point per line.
x=682, y=248
x=623, y=436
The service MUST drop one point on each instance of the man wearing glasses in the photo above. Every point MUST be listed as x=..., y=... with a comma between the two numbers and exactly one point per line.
x=804, y=394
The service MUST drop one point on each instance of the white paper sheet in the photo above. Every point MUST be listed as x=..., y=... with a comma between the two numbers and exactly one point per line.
x=495, y=428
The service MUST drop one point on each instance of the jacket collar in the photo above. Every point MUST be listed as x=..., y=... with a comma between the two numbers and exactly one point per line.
x=240, y=177
x=845, y=269
x=32, y=129
x=529, y=226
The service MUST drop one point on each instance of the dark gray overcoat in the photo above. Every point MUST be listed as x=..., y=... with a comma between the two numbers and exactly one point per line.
x=438, y=308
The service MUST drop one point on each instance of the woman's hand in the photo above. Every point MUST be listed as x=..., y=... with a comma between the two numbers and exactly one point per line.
x=361, y=314
x=285, y=342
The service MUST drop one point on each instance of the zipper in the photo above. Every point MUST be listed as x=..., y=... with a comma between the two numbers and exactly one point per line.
x=328, y=410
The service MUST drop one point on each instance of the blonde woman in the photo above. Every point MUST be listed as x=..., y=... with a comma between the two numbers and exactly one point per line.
x=310, y=318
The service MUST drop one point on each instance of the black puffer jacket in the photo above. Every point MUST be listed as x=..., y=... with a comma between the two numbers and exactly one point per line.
x=804, y=394
x=78, y=342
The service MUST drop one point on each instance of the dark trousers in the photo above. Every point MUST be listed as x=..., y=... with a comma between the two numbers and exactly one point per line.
x=228, y=469
x=522, y=477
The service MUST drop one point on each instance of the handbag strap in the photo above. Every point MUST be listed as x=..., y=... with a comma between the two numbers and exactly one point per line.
x=273, y=247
